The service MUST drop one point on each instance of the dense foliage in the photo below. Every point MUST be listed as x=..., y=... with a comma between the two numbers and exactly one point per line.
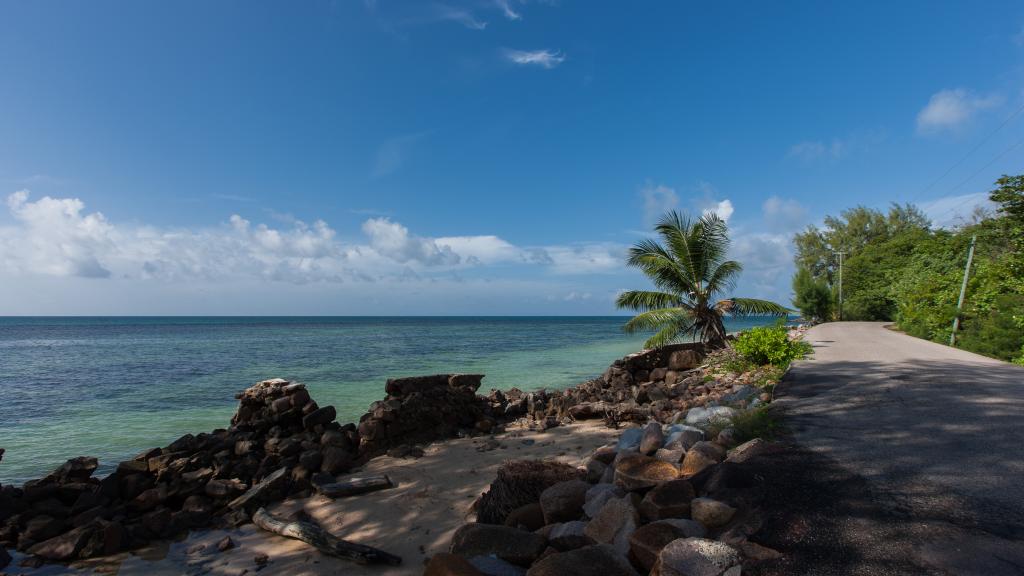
x=899, y=268
x=770, y=345
x=689, y=269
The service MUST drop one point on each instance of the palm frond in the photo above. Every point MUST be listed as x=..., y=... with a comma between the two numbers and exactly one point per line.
x=751, y=307
x=646, y=300
x=723, y=277
x=656, y=319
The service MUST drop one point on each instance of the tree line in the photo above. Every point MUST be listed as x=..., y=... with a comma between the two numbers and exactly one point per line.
x=898, y=267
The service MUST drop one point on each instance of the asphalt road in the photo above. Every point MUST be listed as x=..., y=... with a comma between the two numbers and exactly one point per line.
x=917, y=449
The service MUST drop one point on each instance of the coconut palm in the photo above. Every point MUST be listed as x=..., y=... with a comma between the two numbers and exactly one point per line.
x=689, y=270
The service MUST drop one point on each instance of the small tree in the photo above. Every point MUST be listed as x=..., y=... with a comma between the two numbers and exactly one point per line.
x=690, y=270
x=812, y=297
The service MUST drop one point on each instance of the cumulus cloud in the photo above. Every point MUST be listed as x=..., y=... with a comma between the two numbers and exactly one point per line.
x=544, y=58
x=57, y=237
x=952, y=109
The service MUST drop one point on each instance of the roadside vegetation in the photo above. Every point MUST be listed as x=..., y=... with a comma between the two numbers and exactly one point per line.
x=899, y=267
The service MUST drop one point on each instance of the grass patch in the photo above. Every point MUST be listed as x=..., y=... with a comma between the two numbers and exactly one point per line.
x=749, y=424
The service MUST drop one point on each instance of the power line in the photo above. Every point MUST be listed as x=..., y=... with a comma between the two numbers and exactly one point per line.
x=953, y=209
x=981, y=143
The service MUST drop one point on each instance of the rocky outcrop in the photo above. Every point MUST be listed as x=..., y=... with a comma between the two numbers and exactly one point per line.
x=280, y=444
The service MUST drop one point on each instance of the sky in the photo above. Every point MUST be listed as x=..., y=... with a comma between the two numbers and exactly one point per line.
x=477, y=157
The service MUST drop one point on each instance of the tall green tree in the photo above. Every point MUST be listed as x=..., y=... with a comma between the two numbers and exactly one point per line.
x=812, y=296
x=689, y=268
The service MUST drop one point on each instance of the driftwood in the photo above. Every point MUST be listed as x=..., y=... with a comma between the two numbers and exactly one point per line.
x=355, y=486
x=322, y=540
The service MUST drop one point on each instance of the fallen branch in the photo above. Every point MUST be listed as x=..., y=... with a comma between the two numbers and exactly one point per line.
x=322, y=540
x=355, y=486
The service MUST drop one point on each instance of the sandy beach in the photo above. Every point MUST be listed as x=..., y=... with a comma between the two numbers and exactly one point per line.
x=433, y=496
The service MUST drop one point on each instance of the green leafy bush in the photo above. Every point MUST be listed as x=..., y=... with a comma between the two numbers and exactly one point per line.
x=770, y=345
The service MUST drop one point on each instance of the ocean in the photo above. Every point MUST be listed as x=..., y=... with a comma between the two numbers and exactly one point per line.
x=110, y=387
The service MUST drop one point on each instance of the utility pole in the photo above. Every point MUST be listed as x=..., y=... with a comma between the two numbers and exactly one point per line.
x=963, y=292
x=840, y=282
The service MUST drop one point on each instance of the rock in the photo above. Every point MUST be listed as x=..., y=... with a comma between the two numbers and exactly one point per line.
x=225, y=544
x=335, y=460
x=684, y=360
x=262, y=492
x=751, y=551
x=529, y=517
x=668, y=500
x=5, y=557
x=647, y=541
x=740, y=394
x=630, y=439
x=569, y=536
x=319, y=417
x=617, y=519
x=640, y=472
x=564, y=501
x=520, y=482
x=509, y=544
x=261, y=560
x=672, y=456
x=68, y=545
x=699, y=457
x=218, y=488
x=445, y=564
x=685, y=435
x=657, y=374
x=595, y=470
x=726, y=438
x=598, y=495
x=702, y=417
x=690, y=528
x=748, y=450
x=597, y=560
x=696, y=557
x=652, y=438
x=711, y=513
x=492, y=566
x=605, y=454
x=41, y=528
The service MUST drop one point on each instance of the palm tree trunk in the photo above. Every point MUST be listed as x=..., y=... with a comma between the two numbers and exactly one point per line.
x=716, y=333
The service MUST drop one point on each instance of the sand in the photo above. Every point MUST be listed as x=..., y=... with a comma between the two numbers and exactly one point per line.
x=433, y=496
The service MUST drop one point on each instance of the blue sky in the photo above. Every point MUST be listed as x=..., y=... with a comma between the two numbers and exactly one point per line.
x=468, y=157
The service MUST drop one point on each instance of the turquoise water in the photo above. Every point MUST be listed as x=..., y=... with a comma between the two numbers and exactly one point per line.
x=110, y=387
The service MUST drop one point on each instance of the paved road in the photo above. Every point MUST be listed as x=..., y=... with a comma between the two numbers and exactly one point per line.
x=935, y=439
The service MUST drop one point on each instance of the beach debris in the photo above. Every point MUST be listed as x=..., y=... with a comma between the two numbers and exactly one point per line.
x=314, y=535
x=354, y=486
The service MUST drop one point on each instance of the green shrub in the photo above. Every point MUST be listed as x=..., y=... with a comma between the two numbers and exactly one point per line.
x=770, y=345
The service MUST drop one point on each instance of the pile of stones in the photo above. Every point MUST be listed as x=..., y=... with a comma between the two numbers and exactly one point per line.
x=661, y=385
x=662, y=501
x=280, y=444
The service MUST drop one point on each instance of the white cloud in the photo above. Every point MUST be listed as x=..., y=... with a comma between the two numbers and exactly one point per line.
x=783, y=214
x=816, y=149
x=461, y=16
x=594, y=258
x=951, y=109
x=544, y=58
x=55, y=237
x=507, y=10
x=657, y=201
x=393, y=153
x=952, y=211
x=723, y=209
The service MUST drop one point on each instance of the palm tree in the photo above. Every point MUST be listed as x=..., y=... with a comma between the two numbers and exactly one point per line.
x=689, y=271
